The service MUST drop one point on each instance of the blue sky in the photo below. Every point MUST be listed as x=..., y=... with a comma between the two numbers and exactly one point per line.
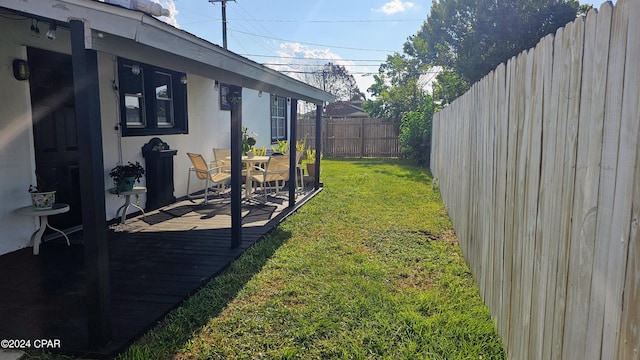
x=299, y=35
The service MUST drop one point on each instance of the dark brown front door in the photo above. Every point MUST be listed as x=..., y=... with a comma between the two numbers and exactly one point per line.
x=54, y=130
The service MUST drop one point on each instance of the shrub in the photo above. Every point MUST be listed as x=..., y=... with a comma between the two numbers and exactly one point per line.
x=415, y=135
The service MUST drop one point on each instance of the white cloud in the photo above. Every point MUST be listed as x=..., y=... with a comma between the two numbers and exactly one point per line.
x=171, y=6
x=300, y=59
x=396, y=6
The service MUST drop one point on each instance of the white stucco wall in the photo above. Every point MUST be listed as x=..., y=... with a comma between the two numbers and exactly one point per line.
x=208, y=128
x=17, y=162
x=256, y=116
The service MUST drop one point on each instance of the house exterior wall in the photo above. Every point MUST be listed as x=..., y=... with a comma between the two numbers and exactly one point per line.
x=208, y=128
x=256, y=116
x=17, y=162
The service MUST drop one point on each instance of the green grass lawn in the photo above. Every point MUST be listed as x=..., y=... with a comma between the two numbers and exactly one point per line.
x=369, y=269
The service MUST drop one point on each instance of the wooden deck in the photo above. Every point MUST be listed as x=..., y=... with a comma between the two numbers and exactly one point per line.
x=156, y=262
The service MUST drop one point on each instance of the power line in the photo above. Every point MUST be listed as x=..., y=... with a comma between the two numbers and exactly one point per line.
x=316, y=64
x=314, y=44
x=259, y=28
x=308, y=21
x=302, y=58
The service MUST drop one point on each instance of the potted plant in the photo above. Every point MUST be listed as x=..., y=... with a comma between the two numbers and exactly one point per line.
x=43, y=195
x=311, y=162
x=124, y=176
x=248, y=141
x=281, y=148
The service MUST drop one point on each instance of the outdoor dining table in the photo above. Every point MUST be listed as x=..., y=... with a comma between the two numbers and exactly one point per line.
x=251, y=161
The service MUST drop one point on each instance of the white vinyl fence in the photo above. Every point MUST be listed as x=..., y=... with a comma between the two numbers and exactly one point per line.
x=539, y=168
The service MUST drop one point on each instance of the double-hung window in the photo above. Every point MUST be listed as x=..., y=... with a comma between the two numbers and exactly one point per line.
x=153, y=100
x=278, y=118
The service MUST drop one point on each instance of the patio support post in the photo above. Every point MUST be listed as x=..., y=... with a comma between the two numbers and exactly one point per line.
x=235, y=99
x=293, y=171
x=317, y=183
x=94, y=225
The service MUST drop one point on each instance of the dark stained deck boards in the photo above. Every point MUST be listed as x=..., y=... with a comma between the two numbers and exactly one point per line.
x=155, y=261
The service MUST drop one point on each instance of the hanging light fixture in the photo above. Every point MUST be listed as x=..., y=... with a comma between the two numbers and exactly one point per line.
x=51, y=34
x=135, y=69
x=183, y=79
x=35, y=31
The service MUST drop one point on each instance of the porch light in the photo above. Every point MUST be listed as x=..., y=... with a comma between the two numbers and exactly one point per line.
x=260, y=93
x=20, y=69
x=51, y=34
x=135, y=69
x=183, y=80
x=216, y=85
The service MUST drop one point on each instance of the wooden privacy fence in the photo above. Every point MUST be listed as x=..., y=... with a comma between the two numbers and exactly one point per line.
x=539, y=168
x=344, y=137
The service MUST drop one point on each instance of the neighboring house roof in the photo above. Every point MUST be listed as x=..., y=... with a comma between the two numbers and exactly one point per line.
x=127, y=33
x=350, y=109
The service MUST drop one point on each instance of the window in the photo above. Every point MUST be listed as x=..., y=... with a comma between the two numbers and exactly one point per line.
x=278, y=118
x=153, y=101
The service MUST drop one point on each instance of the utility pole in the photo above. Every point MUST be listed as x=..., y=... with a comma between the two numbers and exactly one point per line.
x=224, y=20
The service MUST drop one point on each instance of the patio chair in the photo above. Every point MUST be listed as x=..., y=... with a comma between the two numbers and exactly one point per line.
x=223, y=158
x=299, y=171
x=212, y=176
x=273, y=176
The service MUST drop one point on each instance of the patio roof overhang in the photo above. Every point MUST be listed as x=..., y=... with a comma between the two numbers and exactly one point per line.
x=135, y=35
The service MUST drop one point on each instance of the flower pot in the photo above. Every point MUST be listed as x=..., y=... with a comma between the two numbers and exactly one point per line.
x=311, y=169
x=43, y=200
x=125, y=184
x=250, y=154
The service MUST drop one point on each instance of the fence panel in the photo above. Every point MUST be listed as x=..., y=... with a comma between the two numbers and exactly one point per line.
x=539, y=169
x=353, y=137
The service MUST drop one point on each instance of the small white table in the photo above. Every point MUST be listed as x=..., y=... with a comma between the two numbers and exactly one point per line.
x=127, y=201
x=43, y=214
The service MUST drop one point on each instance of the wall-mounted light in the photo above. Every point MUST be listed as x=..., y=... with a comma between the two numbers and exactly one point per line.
x=183, y=79
x=21, y=69
x=51, y=34
x=35, y=31
x=216, y=85
x=135, y=69
x=260, y=93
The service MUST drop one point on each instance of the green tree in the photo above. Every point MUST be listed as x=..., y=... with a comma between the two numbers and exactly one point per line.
x=468, y=39
x=448, y=87
x=472, y=37
x=396, y=90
